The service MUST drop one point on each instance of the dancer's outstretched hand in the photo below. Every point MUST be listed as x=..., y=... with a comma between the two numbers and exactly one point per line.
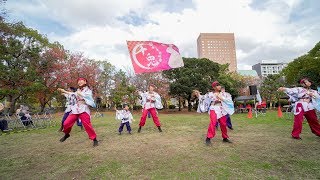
x=61, y=90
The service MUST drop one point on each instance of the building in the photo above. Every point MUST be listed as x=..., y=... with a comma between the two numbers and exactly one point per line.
x=267, y=67
x=218, y=47
x=250, y=77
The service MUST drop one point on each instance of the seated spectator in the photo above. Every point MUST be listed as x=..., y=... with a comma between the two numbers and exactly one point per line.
x=248, y=107
x=24, y=115
x=258, y=105
x=3, y=122
x=4, y=125
x=261, y=106
x=240, y=108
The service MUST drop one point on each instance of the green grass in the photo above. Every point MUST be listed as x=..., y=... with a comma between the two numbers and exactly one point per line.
x=262, y=148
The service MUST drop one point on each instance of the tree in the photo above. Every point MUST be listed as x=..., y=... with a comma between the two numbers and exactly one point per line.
x=19, y=47
x=71, y=66
x=196, y=74
x=230, y=80
x=105, y=79
x=122, y=91
x=307, y=65
x=269, y=87
x=142, y=81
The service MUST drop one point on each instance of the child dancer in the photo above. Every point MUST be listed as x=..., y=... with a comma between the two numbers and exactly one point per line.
x=80, y=110
x=126, y=118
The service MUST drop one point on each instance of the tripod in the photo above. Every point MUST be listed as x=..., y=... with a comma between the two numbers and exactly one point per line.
x=97, y=113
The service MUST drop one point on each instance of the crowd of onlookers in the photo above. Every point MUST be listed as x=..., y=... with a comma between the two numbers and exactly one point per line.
x=242, y=107
x=22, y=113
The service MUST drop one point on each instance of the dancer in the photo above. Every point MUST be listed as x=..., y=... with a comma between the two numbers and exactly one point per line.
x=226, y=95
x=218, y=107
x=305, y=101
x=80, y=110
x=150, y=102
x=126, y=118
x=71, y=101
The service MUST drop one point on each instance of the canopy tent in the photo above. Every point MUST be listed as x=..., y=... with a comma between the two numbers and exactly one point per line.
x=245, y=98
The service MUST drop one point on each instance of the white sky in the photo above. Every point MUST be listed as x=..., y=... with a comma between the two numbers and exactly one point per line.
x=271, y=29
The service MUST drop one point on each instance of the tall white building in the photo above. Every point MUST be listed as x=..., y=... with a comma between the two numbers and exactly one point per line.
x=267, y=67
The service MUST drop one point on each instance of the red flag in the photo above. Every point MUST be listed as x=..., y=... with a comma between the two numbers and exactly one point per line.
x=150, y=56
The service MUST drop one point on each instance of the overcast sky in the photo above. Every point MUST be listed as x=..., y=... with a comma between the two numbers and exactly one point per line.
x=264, y=29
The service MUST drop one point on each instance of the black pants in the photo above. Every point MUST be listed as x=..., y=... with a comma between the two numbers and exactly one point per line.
x=127, y=125
x=26, y=121
x=3, y=125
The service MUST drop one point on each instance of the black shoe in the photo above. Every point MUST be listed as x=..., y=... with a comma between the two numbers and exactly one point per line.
x=139, y=130
x=159, y=128
x=66, y=136
x=226, y=140
x=95, y=143
x=129, y=132
x=297, y=138
x=119, y=133
x=231, y=128
x=208, y=141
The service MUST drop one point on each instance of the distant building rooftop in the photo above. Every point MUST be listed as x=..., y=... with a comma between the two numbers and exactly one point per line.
x=248, y=73
x=269, y=61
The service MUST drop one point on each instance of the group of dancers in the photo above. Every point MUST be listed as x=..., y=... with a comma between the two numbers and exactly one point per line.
x=217, y=103
x=78, y=102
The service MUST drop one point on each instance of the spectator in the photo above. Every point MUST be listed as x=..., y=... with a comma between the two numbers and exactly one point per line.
x=248, y=107
x=3, y=122
x=24, y=115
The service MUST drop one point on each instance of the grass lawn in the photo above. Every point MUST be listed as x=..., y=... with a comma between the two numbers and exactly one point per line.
x=262, y=148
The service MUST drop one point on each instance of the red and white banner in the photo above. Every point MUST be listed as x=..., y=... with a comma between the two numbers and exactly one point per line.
x=150, y=56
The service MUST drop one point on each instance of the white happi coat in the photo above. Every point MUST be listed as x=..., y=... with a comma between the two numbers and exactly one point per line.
x=84, y=100
x=301, y=95
x=124, y=116
x=151, y=100
x=71, y=101
x=207, y=103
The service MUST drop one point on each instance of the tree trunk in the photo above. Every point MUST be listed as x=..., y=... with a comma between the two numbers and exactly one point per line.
x=43, y=103
x=12, y=104
x=42, y=106
x=179, y=104
x=164, y=103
